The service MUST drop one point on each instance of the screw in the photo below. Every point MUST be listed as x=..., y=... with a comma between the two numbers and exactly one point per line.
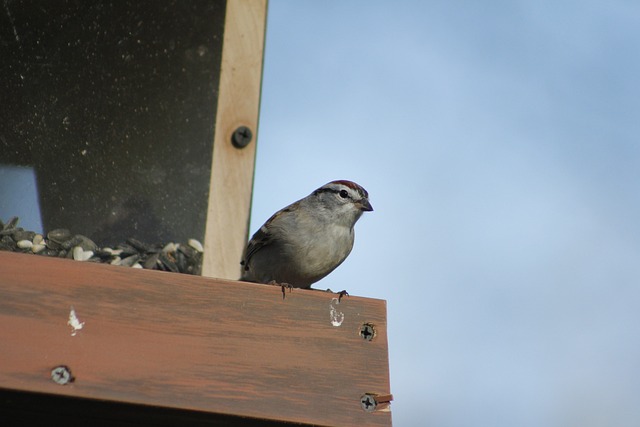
x=62, y=375
x=367, y=331
x=368, y=403
x=241, y=137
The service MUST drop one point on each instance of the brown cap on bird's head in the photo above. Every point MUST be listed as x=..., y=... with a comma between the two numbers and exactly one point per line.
x=362, y=202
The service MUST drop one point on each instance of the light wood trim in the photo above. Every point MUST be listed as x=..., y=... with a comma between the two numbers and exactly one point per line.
x=194, y=343
x=233, y=169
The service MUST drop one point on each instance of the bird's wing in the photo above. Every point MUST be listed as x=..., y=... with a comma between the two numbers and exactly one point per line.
x=263, y=237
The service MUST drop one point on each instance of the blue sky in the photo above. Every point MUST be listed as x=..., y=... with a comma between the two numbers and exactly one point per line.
x=499, y=142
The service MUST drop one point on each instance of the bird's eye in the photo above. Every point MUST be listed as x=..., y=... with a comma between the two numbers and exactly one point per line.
x=344, y=194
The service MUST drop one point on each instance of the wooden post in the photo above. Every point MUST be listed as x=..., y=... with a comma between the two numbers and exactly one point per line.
x=232, y=168
x=215, y=348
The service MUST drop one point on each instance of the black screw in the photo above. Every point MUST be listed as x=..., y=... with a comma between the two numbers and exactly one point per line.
x=368, y=403
x=241, y=137
x=367, y=331
x=62, y=375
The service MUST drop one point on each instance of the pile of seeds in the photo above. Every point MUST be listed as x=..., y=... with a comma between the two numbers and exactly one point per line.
x=61, y=243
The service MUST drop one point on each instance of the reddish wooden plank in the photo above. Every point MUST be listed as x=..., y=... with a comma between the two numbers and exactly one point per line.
x=190, y=342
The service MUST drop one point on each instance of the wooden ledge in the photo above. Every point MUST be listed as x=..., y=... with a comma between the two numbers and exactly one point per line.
x=173, y=341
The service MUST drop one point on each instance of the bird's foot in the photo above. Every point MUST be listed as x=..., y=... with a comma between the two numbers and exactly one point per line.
x=340, y=294
x=283, y=286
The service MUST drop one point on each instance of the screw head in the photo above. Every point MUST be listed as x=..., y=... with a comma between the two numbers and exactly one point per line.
x=62, y=375
x=368, y=402
x=241, y=137
x=367, y=331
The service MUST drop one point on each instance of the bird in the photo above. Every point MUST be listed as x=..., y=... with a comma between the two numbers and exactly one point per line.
x=305, y=241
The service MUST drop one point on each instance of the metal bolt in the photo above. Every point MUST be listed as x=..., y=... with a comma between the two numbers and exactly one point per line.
x=368, y=402
x=62, y=375
x=241, y=137
x=367, y=331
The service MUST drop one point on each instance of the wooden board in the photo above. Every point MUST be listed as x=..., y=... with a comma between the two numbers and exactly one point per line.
x=233, y=168
x=193, y=343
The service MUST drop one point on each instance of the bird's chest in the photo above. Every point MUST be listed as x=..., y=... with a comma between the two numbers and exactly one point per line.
x=326, y=247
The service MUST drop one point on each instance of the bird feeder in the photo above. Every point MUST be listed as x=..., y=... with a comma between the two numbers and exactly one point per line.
x=140, y=121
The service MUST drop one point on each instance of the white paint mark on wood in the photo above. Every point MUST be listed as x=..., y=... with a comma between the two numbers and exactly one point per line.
x=74, y=322
x=336, y=316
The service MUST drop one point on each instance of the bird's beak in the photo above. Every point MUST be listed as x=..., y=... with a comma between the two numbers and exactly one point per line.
x=365, y=205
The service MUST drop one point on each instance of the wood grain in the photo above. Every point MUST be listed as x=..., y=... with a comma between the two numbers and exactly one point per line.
x=233, y=169
x=178, y=341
